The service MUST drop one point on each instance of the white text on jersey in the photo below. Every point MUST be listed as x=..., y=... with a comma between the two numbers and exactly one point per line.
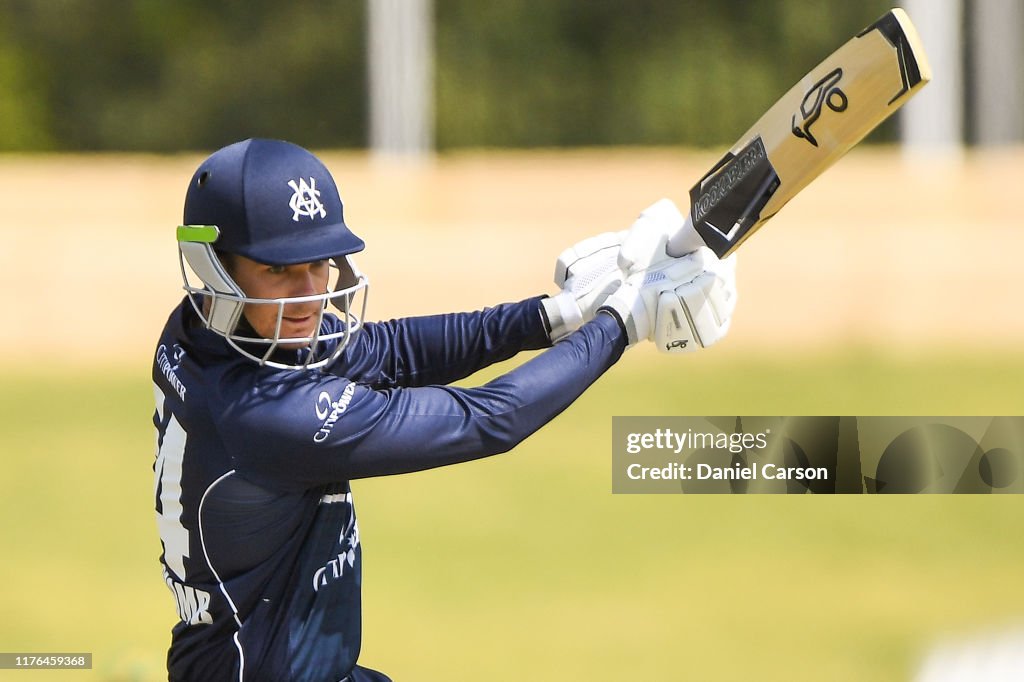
x=193, y=604
x=168, y=370
x=331, y=411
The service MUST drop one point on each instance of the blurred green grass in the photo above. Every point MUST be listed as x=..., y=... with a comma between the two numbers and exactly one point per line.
x=525, y=565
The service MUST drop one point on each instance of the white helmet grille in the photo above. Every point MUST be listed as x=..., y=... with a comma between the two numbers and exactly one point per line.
x=220, y=303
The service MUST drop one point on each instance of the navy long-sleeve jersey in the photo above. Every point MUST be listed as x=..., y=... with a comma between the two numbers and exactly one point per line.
x=261, y=548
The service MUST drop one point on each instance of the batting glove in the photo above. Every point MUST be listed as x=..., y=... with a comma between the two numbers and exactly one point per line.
x=587, y=273
x=681, y=304
x=645, y=243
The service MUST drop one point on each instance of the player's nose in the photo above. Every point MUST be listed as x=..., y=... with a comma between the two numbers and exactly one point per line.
x=305, y=283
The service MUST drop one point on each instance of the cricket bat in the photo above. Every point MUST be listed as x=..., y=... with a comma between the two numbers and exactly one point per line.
x=824, y=115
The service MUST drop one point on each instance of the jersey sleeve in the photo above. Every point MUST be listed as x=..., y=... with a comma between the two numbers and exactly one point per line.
x=440, y=349
x=300, y=430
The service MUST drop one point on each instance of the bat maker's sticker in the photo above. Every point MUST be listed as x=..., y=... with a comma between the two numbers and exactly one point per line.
x=825, y=92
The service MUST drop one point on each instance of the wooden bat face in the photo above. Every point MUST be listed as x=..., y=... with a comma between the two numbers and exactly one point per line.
x=824, y=115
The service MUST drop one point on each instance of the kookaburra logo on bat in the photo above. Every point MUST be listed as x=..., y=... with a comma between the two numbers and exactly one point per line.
x=825, y=92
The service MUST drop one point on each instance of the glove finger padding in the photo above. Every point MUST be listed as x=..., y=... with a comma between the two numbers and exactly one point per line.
x=586, y=273
x=588, y=259
x=592, y=284
x=673, y=330
x=644, y=244
x=681, y=304
x=697, y=314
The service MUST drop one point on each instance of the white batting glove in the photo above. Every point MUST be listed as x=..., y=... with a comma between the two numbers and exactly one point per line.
x=587, y=273
x=646, y=240
x=681, y=304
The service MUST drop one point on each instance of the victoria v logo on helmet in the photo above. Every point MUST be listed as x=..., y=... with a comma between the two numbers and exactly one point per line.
x=306, y=200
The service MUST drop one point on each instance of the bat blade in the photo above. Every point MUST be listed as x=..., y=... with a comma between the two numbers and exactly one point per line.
x=821, y=118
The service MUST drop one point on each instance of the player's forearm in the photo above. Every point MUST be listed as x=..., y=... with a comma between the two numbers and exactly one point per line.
x=440, y=349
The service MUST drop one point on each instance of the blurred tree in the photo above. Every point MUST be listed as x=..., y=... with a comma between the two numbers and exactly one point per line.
x=163, y=76
x=569, y=72
x=24, y=116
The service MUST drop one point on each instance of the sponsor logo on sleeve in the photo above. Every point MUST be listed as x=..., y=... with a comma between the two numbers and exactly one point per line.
x=329, y=411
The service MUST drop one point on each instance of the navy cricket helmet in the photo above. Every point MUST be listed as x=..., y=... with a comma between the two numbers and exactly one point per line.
x=272, y=201
x=275, y=203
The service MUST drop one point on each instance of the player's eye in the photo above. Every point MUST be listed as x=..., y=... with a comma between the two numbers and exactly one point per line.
x=275, y=269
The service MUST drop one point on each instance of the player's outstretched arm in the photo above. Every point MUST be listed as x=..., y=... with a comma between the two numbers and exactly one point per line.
x=338, y=430
x=440, y=349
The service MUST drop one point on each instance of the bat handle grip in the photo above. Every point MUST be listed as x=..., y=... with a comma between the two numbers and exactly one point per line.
x=685, y=240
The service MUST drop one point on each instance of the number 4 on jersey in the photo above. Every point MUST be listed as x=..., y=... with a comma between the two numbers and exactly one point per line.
x=167, y=487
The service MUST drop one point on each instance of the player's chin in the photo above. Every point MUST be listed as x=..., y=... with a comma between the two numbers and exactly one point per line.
x=298, y=345
x=300, y=327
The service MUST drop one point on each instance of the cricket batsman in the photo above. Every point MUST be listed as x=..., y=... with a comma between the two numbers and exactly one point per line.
x=273, y=394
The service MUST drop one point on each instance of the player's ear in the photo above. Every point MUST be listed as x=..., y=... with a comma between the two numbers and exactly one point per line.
x=227, y=260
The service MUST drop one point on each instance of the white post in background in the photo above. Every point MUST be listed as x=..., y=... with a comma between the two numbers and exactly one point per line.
x=932, y=122
x=401, y=77
x=997, y=79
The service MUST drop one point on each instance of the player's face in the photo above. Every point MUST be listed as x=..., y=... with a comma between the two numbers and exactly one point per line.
x=259, y=280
